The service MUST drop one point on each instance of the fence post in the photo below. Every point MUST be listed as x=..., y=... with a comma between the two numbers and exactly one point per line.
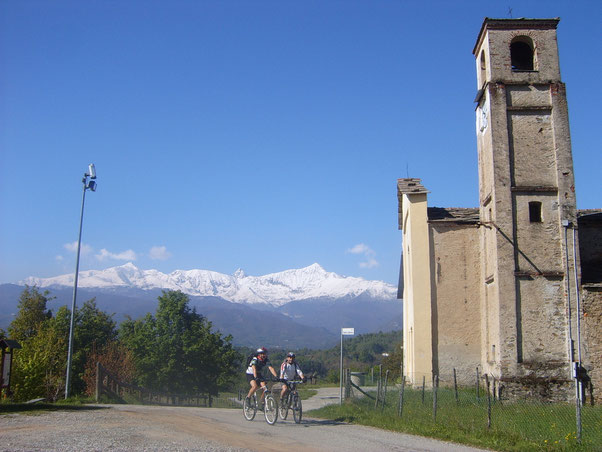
x=347, y=377
x=435, y=387
x=385, y=391
x=488, y=402
x=98, y=381
x=378, y=384
x=423, y=382
x=456, y=387
x=477, y=384
x=400, y=408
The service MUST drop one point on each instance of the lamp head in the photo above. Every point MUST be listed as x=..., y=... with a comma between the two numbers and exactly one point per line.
x=92, y=185
x=92, y=171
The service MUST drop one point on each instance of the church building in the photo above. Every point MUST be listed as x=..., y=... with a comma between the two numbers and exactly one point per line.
x=511, y=289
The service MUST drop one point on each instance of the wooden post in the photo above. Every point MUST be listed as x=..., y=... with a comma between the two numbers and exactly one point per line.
x=401, y=391
x=456, y=387
x=98, y=381
x=385, y=391
x=435, y=387
x=478, y=396
x=423, y=383
x=378, y=384
x=488, y=402
x=347, y=377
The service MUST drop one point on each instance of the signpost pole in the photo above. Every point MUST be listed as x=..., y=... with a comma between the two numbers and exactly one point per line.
x=344, y=332
x=341, y=372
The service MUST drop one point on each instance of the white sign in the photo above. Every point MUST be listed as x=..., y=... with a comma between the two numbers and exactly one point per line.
x=347, y=331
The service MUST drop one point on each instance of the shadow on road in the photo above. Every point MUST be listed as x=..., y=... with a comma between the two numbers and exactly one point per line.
x=26, y=407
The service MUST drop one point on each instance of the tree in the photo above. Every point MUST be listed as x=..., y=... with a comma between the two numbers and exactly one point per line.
x=39, y=366
x=392, y=363
x=115, y=358
x=176, y=351
x=32, y=314
x=93, y=329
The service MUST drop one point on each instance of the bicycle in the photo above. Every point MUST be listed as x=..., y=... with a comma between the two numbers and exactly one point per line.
x=292, y=401
x=270, y=407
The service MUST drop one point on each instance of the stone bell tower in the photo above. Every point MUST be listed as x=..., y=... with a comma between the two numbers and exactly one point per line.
x=527, y=196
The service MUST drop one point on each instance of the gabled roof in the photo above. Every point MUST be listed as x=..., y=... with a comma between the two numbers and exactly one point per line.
x=466, y=215
x=407, y=186
x=9, y=343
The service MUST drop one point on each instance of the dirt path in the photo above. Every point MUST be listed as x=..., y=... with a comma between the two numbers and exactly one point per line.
x=146, y=428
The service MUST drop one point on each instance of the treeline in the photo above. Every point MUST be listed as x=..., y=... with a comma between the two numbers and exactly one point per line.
x=174, y=350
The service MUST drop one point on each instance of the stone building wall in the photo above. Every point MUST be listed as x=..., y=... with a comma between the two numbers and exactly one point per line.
x=590, y=248
x=455, y=260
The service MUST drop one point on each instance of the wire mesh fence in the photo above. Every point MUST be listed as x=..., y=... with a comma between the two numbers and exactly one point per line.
x=426, y=405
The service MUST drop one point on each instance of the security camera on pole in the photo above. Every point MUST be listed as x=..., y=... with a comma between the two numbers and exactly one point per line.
x=88, y=185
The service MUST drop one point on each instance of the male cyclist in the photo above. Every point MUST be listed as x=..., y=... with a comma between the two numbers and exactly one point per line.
x=254, y=377
x=289, y=371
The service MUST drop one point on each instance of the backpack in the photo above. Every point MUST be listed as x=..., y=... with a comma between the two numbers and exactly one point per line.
x=250, y=358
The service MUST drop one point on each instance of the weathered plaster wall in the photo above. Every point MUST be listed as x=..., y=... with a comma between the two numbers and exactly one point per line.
x=455, y=271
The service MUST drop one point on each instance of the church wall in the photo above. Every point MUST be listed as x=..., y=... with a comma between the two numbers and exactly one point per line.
x=592, y=340
x=455, y=271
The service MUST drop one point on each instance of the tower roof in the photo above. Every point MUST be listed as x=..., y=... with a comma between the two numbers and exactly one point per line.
x=514, y=24
x=407, y=186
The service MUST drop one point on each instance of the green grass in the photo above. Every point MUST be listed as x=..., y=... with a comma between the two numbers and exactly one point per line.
x=521, y=426
x=306, y=393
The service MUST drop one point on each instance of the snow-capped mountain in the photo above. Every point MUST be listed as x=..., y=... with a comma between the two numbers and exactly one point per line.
x=275, y=289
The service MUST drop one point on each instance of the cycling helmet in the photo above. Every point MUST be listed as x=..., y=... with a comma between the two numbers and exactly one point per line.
x=262, y=350
x=290, y=355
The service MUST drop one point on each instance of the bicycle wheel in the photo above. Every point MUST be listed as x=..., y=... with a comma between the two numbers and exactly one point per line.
x=270, y=409
x=297, y=408
x=249, y=408
x=283, y=407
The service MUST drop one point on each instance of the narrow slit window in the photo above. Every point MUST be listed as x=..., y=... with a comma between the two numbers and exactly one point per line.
x=535, y=212
x=483, y=69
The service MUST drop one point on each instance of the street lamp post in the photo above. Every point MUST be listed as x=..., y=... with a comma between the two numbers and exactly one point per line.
x=88, y=185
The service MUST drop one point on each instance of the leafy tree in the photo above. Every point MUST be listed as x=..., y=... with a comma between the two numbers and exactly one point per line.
x=115, y=358
x=176, y=351
x=392, y=363
x=32, y=314
x=39, y=367
x=93, y=329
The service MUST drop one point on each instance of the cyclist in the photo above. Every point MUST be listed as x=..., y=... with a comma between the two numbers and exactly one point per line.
x=289, y=371
x=254, y=370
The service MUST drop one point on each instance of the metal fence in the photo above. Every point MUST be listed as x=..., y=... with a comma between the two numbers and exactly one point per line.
x=481, y=405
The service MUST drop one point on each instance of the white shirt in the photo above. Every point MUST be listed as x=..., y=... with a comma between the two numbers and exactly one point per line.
x=290, y=371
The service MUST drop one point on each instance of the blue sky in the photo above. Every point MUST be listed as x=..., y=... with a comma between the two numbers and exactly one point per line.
x=262, y=135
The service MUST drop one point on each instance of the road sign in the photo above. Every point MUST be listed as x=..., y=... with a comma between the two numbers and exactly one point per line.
x=347, y=331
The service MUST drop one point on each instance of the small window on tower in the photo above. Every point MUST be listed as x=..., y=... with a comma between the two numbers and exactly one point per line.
x=522, y=54
x=535, y=212
x=482, y=69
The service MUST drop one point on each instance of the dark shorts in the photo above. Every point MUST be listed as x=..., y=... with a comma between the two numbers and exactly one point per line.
x=251, y=377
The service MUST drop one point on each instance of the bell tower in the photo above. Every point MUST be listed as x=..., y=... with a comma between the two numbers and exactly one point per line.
x=527, y=196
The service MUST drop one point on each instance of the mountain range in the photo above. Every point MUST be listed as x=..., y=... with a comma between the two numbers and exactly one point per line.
x=295, y=308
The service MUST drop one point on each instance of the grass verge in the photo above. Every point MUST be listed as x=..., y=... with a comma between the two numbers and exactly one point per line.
x=520, y=426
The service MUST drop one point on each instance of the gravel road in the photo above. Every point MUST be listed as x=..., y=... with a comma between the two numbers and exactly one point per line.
x=154, y=428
